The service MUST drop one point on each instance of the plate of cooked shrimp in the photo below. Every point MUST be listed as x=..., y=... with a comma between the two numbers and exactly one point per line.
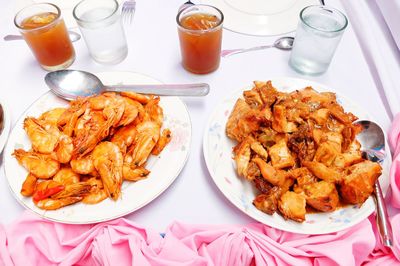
x=285, y=152
x=97, y=158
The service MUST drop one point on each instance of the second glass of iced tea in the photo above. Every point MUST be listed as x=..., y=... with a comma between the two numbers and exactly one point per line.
x=44, y=31
x=200, y=36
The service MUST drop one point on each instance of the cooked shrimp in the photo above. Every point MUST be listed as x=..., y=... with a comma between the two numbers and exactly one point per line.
x=66, y=176
x=54, y=204
x=52, y=116
x=143, y=99
x=83, y=166
x=108, y=161
x=64, y=148
x=111, y=104
x=28, y=187
x=40, y=165
x=69, y=118
x=164, y=139
x=46, y=189
x=124, y=137
x=148, y=133
x=79, y=189
x=42, y=140
x=153, y=111
x=134, y=174
x=96, y=195
x=95, y=130
x=131, y=111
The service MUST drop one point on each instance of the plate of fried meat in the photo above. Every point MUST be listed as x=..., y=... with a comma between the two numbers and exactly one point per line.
x=285, y=152
x=97, y=158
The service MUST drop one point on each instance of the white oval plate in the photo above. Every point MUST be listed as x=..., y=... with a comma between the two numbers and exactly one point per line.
x=164, y=168
x=6, y=124
x=217, y=149
x=261, y=17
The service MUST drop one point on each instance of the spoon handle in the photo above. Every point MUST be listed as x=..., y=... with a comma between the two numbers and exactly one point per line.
x=382, y=218
x=226, y=53
x=195, y=89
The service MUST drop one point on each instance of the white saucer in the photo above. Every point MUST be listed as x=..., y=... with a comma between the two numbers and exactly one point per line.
x=261, y=17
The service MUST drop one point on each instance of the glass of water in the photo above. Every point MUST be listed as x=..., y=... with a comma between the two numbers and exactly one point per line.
x=100, y=24
x=318, y=34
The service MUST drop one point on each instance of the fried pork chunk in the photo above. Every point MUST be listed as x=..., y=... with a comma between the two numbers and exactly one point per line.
x=302, y=144
x=293, y=206
x=268, y=202
x=322, y=196
x=359, y=183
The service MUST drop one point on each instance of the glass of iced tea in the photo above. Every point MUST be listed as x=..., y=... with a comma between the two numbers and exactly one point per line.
x=44, y=31
x=200, y=36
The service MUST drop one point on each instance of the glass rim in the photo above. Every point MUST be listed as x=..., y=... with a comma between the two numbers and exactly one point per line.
x=200, y=31
x=40, y=27
x=94, y=21
x=328, y=8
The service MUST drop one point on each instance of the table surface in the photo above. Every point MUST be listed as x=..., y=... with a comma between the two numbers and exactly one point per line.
x=154, y=51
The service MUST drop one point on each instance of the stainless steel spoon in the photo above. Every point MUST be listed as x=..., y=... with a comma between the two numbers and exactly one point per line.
x=74, y=36
x=70, y=84
x=372, y=141
x=284, y=43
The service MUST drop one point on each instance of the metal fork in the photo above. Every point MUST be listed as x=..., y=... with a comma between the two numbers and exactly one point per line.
x=128, y=10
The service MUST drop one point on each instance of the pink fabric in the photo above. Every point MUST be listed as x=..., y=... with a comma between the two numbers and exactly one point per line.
x=34, y=241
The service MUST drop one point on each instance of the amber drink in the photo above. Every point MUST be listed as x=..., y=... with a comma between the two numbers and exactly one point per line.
x=200, y=36
x=44, y=31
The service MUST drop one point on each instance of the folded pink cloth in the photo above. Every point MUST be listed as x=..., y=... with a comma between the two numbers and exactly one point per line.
x=394, y=142
x=35, y=241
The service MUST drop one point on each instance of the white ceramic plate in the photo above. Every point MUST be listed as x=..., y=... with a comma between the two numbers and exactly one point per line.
x=240, y=192
x=6, y=124
x=164, y=168
x=261, y=17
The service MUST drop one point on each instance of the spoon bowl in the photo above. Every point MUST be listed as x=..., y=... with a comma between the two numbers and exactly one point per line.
x=71, y=84
x=372, y=140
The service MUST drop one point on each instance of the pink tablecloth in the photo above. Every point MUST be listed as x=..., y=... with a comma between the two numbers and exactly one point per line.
x=35, y=241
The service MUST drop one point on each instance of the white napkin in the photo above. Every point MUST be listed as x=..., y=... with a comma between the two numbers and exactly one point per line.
x=379, y=48
x=390, y=11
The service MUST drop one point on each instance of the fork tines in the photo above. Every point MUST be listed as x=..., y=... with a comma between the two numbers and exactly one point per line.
x=128, y=10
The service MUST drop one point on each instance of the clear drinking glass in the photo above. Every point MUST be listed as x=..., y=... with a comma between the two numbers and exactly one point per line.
x=44, y=31
x=200, y=35
x=100, y=24
x=317, y=37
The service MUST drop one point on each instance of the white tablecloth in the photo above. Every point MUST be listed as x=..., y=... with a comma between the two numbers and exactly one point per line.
x=154, y=50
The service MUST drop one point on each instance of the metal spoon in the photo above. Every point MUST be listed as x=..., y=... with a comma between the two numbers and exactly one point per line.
x=283, y=43
x=74, y=36
x=70, y=84
x=372, y=141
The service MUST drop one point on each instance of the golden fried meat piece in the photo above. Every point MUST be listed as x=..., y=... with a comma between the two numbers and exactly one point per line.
x=303, y=177
x=242, y=154
x=359, y=184
x=268, y=202
x=322, y=196
x=281, y=156
x=242, y=121
x=323, y=172
x=326, y=153
x=293, y=206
